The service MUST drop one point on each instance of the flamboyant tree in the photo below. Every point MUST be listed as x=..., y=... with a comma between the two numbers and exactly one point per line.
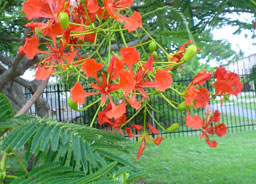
x=104, y=44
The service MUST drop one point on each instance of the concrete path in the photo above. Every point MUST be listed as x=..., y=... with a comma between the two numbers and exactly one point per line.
x=235, y=110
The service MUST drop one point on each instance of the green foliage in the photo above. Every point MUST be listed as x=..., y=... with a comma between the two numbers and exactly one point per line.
x=77, y=153
x=56, y=173
x=6, y=110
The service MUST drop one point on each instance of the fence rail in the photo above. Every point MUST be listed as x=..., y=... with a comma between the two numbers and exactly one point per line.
x=239, y=113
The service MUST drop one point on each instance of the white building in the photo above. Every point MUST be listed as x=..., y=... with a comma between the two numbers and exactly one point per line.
x=243, y=65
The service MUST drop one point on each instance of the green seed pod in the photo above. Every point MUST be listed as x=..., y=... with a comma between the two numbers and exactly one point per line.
x=63, y=20
x=173, y=127
x=72, y=104
x=154, y=53
x=152, y=46
x=182, y=106
x=190, y=52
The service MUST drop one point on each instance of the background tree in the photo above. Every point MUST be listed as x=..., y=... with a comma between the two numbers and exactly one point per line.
x=168, y=21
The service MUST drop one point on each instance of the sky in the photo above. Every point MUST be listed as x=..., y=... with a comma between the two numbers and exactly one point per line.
x=239, y=42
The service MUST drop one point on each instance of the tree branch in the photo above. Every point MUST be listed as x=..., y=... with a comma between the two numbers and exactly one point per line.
x=8, y=39
x=32, y=100
x=5, y=60
x=115, y=47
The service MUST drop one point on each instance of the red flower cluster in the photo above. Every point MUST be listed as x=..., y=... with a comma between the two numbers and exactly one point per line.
x=81, y=15
x=200, y=97
x=125, y=79
x=227, y=83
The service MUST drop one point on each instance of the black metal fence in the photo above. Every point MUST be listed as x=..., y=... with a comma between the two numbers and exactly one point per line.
x=238, y=113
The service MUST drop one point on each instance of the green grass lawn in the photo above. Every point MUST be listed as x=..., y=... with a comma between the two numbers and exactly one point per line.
x=190, y=160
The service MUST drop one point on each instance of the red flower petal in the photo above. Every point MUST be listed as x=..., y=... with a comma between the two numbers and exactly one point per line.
x=36, y=9
x=115, y=66
x=153, y=129
x=91, y=67
x=216, y=117
x=158, y=140
x=141, y=149
x=52, y=30
x=129, y=132
x=194, y=122
x=163, y=80
x=43, y=73
x=221, y=129
x=130, y=56
x=202, y=98
x=220, y=73
x=133, y=22
x=191, y=94
x=137, y=127
x=132, y=101
x=117, y=111
x=92, y=6
x=149, y=65
x=127, y=81
x=78, y=94
x=30, y=48
x=202, y=77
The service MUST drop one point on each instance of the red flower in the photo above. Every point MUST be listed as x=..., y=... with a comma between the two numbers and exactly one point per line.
x=104, y=87
x=56, y=55
x=144, y=137
x=136, y=82
x=206, y=126
x=200, y=97
x=114, y=123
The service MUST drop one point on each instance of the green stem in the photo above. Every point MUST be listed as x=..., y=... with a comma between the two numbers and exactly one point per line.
x=175, y=90
x=95, y=115
x=139, y=40
x=152, y=108
x=101, y=59
x=145, y=117
x=166, y=53
x=82, y=25
x=158, y=124
x=11, y=176
x=137, y=112
x=86, y=12
x=21, y=164
x=167, y=100
x=122, y=36
x=158, y=9
x=3, y=160
x=84, y=108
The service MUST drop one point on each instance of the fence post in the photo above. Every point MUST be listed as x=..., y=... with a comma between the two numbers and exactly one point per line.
x=59, y=101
